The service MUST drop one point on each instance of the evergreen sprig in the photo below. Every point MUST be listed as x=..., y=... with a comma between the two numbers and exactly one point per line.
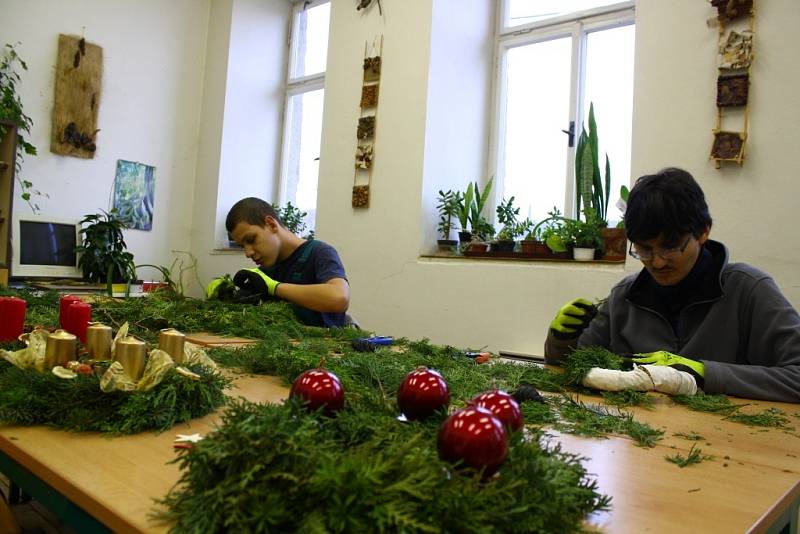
x=583, y=359
x=31, y=398
x=695, y=456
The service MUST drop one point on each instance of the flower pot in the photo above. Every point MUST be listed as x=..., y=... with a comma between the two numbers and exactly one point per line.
x=533, y=248
x=464, y=237
x=477, y=246
x=503, y=245
x=616, y=244
x=446, y=245
x=583, y=254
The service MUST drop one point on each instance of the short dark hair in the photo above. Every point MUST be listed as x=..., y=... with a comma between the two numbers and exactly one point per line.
x=669, y=203
x=251, y=210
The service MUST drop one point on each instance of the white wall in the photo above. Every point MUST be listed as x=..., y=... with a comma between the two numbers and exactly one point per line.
x=754, y=207
x=242, y=114
x=153, y=56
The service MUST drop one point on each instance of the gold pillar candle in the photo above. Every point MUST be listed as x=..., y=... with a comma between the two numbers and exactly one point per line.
x=130, y=352
x=98, y=341
x=61, y=348
x=171, y=341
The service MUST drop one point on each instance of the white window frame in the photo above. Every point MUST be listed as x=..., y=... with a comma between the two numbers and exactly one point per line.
x=577, y=25
x=295, y=86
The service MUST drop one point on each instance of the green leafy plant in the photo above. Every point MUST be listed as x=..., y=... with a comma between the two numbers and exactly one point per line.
x=590, y=187
x=174, y=274
x=11, y=110
x=293, y=218
x=584, y=234
x=624, y=193
x=103, y=253
x=479, y=224
x=449, y=206
x=549, y=231
x=507, y=216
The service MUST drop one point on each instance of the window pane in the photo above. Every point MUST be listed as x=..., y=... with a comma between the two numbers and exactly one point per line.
x=537, y=109
x=310, y=41
x=609, y=84
x=304, y=131
x=527, y=11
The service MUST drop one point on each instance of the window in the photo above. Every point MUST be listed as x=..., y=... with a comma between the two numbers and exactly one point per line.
x=305, y=89
x=554, y=58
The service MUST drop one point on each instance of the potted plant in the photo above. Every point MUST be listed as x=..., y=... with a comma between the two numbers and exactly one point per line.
x=11, y=110
x=507, y=216
x=103, y=254
x=534, y=244
x=448, y=206
x=481, y=230
x=585, y=236
x=463, y=210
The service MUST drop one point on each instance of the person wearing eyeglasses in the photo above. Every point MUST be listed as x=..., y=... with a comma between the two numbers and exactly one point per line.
x=690, y=319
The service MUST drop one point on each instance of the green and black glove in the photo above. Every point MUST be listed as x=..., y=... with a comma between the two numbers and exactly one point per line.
x=680, y=363
x=221, y=288
x=573, y=318
x=254, y=282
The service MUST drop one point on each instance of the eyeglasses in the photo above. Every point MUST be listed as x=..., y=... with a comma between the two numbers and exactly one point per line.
x=665, y=254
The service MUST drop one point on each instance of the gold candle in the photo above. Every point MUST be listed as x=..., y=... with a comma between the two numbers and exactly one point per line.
x=98, y=341
x=130, y=352
x=171, y=341
x=61, y=348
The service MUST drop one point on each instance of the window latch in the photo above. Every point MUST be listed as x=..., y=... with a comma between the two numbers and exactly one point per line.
x=570, y=134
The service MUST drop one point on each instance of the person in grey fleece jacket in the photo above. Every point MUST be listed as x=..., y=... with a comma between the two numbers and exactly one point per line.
x=726, y=324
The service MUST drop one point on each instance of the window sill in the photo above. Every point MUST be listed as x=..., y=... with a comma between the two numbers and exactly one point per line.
x=226, y=251
x=517, y=257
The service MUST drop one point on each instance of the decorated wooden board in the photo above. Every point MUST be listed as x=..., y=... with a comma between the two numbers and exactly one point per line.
x=79, y=72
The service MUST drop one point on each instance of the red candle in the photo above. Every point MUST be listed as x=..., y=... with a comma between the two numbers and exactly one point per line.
x=12, y=317
x=80, y=315
x=63, y=310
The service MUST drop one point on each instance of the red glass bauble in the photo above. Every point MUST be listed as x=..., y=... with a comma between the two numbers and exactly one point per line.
x=422, y=393
x=476, y=437
x=503, y=406
x=318, y=388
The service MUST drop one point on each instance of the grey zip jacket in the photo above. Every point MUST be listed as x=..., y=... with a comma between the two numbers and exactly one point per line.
x=745, y=332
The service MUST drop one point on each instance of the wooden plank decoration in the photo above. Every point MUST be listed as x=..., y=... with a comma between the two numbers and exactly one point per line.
x=79, y=71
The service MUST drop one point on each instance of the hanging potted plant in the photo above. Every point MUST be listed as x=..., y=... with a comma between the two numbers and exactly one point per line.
x=103, y=254
x=448, y=204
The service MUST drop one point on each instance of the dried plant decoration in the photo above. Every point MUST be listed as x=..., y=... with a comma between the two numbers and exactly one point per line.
x=737, y=50
x=369, y=96
x=364, y=157
x=360, y=196
x=366, y=4
x=735, y=23
x=728, y=146
x=732, y=90
x=728, y=10
x=366, y=128
x=372, y=68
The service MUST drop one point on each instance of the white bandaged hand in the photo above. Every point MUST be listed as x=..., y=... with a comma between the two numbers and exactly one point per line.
x=642, y=378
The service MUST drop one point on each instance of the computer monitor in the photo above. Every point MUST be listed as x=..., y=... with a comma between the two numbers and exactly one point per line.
x=44, y=247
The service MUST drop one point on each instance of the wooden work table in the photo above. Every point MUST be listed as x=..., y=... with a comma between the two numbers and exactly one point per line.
x=116, y=480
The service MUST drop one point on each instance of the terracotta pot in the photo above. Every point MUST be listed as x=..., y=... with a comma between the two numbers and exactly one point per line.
x=616, y=243
x=535, y=248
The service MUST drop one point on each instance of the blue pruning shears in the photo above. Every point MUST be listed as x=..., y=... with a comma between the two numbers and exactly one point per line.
x=369, y=344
